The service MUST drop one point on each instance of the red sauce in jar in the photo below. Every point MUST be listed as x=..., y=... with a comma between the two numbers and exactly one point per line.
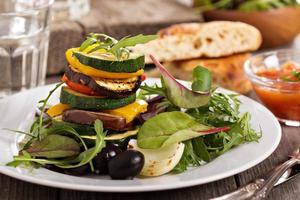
x=283, y=97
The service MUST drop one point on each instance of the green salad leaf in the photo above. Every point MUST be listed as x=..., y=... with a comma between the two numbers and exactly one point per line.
x=87, y=155
x=201, y=79
x=178, y=94
x=168, y=128
x=71, y=161
x=54, y=146
x=203, y=149
x=195, y=153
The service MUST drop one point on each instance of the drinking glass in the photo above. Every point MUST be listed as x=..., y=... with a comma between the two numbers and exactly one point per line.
x=24, y=38
x=71, y=9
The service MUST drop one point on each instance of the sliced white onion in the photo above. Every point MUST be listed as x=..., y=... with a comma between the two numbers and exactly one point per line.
x=159, y=161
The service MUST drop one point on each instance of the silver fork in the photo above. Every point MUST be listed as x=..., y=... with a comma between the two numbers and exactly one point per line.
x=260, y=188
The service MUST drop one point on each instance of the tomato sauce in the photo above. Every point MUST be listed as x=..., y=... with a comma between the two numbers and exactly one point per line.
x=283, y=96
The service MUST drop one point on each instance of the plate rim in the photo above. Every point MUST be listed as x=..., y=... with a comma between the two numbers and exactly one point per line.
x=147, y=188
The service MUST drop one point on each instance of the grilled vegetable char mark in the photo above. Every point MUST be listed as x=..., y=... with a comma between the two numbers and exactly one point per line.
x=113, y=88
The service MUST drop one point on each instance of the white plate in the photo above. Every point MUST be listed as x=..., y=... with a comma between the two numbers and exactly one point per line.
x=17, y=112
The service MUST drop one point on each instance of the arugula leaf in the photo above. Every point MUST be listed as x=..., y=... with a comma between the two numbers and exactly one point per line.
x=54, y=146
x=16, y=163
x=82, y=159
x=113, y=46
x=88, y=42
x=99, y=39
x=152, y=90
x=87, y=156
x=188, y=159
x=43, y=108
x=200, y=149
x=65, y=129
x=201, y=79
x=131, y=41
x=222, y=109
x=21, y=132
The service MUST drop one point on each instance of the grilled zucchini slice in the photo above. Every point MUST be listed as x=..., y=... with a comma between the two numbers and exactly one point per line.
x=108, y=63
x=85, y=102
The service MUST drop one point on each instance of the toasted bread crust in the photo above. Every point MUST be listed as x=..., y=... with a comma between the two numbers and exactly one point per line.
x=194, y=40
x=227, y=71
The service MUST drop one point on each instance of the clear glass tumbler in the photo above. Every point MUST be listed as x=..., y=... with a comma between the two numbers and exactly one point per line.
x=24, y=39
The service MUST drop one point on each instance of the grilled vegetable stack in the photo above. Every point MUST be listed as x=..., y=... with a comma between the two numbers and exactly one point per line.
x=102, y=79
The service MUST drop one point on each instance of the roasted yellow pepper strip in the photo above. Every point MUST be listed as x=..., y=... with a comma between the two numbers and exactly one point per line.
x=57, y=109
x=90, y=71
x=130, y=111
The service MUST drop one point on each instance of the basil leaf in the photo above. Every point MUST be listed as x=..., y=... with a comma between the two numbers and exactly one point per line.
x=54, y=146
x=131, y=41
x=168, y=128
x=201, y=79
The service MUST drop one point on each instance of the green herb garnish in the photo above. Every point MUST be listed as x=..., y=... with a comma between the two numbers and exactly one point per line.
x=295, y=74
x=37, y=130
x=111, y=45
x=31, y=158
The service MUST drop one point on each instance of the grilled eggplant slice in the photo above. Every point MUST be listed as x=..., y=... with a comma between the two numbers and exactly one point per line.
x=112, y=88
x=85, y=117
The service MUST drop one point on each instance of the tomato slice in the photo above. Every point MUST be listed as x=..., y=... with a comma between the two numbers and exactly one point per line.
x=143, y=77
x=78, y=87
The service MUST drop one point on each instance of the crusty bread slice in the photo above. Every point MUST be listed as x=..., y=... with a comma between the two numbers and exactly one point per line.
x=194, y=40
x=226, y=71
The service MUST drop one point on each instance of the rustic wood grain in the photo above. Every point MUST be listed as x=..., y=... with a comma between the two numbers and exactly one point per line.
x=123, y=17
x=191, y=193
x=13, y=189
x=64, y=35
x=289, y=142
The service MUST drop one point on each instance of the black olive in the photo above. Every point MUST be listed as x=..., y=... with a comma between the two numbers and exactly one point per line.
x=78, y=171
x=126, y=165
x=100, y=161
x=54, y=168
x=122, y=143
